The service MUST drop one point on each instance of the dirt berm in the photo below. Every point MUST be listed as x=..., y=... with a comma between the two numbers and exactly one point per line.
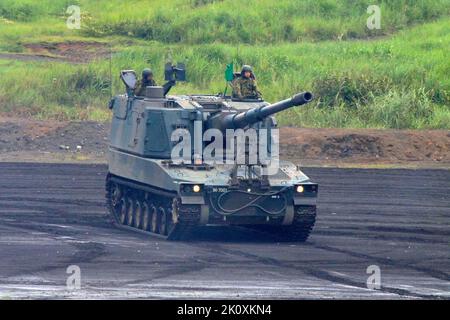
x=32, y=140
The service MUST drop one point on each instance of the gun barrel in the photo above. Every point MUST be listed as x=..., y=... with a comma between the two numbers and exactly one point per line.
x=254, y=115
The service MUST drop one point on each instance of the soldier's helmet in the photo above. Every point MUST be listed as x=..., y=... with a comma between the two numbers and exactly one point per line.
x=147, y=72
x=248, y=68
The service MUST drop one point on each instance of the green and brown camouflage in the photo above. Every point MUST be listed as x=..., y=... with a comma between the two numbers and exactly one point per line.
x=245, y=88
x=142, y=84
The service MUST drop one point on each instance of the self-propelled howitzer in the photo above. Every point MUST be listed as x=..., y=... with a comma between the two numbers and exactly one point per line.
x=147, y=190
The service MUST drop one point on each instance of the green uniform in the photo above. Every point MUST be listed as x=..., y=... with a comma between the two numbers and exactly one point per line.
x=141, y=85
x=245, y=88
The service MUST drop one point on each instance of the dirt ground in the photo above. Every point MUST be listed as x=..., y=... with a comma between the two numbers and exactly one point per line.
x=53, y=216
x=43, y=141
x=366, y=147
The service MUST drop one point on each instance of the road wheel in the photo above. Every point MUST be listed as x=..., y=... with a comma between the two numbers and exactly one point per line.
x=123, y=210
x=131, y=203
x=146, y=216
x=154, y=219
x=172, y=217
x=137, y=214
x=162, y=221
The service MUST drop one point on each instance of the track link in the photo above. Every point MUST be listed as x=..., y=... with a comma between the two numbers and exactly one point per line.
x=298, y=231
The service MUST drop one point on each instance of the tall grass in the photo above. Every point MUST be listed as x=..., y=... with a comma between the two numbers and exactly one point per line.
x=257, y=21
x=228, y=21
x=395, y=109
x=30, y=10
x=399, y=81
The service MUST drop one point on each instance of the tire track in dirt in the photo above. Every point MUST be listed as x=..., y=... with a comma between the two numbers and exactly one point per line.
x=322, y=274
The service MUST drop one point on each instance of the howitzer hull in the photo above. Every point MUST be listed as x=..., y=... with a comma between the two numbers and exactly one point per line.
x=153, y=199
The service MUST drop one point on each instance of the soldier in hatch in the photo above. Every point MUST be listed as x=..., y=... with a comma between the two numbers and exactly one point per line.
x=244, y=86
x=146, y=81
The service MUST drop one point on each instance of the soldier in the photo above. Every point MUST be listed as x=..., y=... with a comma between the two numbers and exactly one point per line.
x=146, y=81
x=244, y=86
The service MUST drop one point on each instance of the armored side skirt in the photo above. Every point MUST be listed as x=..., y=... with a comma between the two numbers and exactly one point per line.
x=139, y=169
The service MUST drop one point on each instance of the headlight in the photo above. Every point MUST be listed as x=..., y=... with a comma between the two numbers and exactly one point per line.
x=308, y=189
x=190, y=189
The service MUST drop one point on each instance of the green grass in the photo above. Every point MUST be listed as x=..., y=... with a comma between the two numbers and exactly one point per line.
x=396, y=77
x=222, y=21
x=259, y=21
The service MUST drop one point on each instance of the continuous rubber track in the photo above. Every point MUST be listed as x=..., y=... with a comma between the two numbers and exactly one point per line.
x=299, y=231
x=135, y=208
x=302, y=227
x=130, y=205
x=53, y=216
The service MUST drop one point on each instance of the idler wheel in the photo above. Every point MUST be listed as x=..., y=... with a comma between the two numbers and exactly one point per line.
x=116, y=194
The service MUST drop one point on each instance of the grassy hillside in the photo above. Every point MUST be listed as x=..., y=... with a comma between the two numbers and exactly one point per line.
x=229, y=21
x=396, y=77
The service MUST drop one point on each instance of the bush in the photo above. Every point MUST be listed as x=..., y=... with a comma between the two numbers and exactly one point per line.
x=406, y=109
x=399, y=110
x=349, y=89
